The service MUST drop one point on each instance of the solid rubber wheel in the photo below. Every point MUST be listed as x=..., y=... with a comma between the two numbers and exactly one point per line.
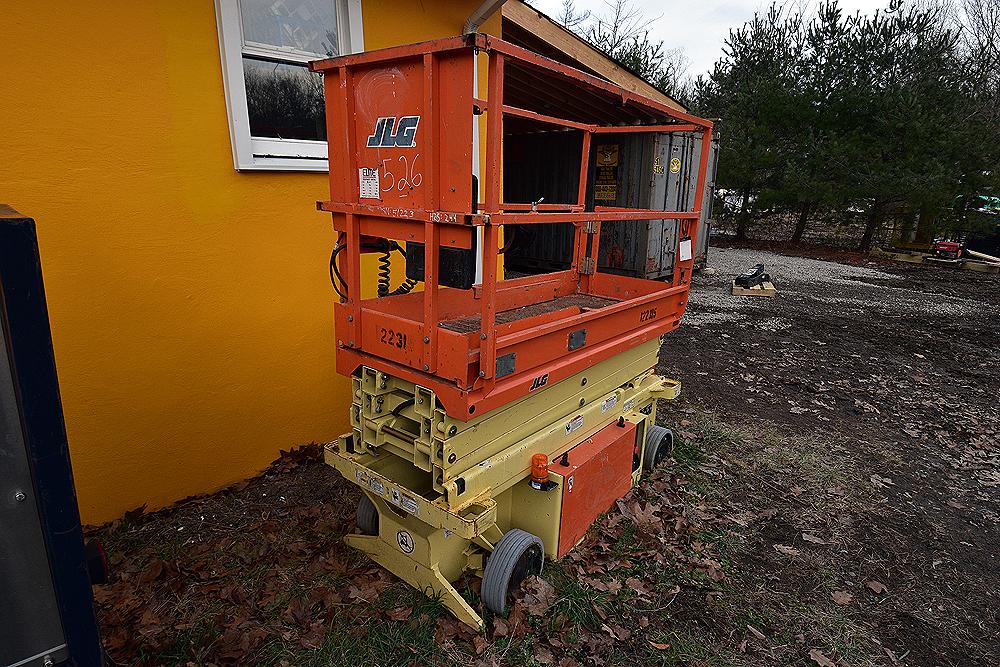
x=659, y=445
x=367, y=516
x=516, y=556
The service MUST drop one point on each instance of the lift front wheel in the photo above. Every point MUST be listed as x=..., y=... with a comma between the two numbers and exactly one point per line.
x=659, y=445
x=516, y=556
x=367, y=516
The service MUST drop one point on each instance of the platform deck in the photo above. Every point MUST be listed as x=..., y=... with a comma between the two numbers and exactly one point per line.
x=584, y=302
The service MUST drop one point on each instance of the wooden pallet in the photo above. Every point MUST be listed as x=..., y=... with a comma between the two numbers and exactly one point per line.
x=943, y=261
x=765, y=289
x=983, y=266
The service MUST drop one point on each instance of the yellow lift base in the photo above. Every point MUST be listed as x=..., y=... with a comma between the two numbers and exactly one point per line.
x=441, y=494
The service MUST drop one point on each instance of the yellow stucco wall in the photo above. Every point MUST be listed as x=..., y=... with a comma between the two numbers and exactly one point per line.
x=190, y=305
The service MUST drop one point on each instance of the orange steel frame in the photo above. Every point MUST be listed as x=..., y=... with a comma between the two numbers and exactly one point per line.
x=429, y=202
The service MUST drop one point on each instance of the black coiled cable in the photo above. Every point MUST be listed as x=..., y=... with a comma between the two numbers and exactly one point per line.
x=384, y=274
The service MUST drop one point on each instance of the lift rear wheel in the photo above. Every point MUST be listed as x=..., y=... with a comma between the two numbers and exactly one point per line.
x=367, y=516
x=516, y=556
x=659, y=445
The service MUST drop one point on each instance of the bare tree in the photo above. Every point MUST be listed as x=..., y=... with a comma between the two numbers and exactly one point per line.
x=980, y=41
x=621, y=31
x=570, y=17
x=621, y=23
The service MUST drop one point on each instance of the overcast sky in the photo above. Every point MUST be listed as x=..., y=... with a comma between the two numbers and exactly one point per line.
x=698, y=27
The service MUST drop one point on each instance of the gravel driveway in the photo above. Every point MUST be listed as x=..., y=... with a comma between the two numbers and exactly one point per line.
x=887, y=375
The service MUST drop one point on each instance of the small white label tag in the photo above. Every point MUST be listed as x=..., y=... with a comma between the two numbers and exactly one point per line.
x=376, y=486
x=409, y=504
x=629, y=405
x=609, y=403
x=685, y=249
x=369, y=179
x=574, y=423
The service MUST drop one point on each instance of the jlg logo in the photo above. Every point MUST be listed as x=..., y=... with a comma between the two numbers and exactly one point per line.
x=403, y=137
x=539, y=382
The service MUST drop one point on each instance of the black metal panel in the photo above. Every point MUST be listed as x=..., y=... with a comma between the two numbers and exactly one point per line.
x=506, y=364
x=456, y=266
x=541, y=165
x=33, y=374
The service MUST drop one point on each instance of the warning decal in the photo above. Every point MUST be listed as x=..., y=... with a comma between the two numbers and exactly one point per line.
x=369, y=182
x=405, y=541
x=574, y=423
x=607, y=155
x=606, y=181
x=675, y=165
x=409, y=503
x=403, y=501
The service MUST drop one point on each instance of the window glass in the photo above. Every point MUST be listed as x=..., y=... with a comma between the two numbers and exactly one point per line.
x=284, y=101
x=309, y=26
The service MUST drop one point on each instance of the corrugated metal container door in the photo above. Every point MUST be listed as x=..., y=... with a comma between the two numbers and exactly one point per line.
x=658, y=172
x=674, y=188
x=619, y=167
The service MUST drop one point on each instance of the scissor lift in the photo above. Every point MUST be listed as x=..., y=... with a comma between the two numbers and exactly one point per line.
x=492, y=420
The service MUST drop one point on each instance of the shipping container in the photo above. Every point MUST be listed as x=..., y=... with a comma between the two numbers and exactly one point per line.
x=656, y=171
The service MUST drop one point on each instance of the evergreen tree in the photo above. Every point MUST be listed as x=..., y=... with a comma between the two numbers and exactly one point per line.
x=753, y=89
x=892, y=113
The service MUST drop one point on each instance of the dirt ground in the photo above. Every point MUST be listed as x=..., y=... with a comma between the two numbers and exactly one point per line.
x=833, y=500
x=870, y=394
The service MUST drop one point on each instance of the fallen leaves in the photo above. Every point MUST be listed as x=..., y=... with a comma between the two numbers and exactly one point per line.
x=640, y=587
x=400, y=613
x=291, y=459
x=876, y=587
x=880, y=482
x=842, y=598
x=245, y=568
x=820, y=658
x=538, y=595
x=646, y=569
x=544, y=656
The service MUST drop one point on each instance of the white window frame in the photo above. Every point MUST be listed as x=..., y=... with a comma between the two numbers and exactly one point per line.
x=253, y=153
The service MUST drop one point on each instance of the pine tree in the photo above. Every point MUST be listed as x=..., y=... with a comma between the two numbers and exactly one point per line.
x=895, y=113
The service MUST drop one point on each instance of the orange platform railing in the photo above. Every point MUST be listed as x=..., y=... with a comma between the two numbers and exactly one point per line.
x=401, y=131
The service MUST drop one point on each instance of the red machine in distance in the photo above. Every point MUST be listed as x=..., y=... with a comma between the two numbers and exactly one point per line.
x=401, y=136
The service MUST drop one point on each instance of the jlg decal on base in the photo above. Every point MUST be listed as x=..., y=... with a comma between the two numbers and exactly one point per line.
x=539, y=382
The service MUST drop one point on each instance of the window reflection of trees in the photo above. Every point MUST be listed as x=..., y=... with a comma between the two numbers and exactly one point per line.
x=284, y=101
